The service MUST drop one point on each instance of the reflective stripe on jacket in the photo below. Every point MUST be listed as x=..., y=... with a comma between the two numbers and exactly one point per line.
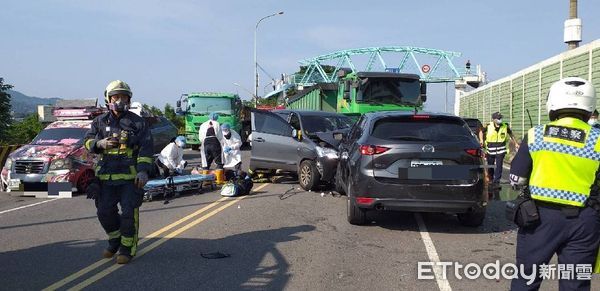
x=130, y=157
x=566, y=156
x=496, y=140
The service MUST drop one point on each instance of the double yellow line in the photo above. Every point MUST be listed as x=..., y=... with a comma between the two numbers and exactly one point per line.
x=149, y=248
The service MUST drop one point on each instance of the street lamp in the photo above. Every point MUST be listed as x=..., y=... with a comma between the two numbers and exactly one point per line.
x=255, y=61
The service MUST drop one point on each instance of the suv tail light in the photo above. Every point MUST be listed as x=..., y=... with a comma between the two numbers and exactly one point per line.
x=474, y=152
x=364, y=200
x=369, y=150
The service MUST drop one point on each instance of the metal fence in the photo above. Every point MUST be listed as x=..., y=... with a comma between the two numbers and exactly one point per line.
x=521, y=97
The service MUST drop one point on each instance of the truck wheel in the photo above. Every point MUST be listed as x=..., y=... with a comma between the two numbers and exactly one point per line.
x=472, y=218
x=355, y=214
x=196, y=147
x=308, y=176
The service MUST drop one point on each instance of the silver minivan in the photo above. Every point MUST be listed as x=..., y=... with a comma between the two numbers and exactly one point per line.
x=302, y=142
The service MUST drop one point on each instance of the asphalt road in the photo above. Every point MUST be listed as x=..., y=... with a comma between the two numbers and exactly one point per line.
x=280, y=237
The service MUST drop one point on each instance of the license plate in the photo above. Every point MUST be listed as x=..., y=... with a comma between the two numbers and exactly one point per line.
x=418, y=163
x=179, y=188
x=14, y=183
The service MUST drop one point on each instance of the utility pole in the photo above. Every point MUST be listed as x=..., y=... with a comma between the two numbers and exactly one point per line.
x=572, y=33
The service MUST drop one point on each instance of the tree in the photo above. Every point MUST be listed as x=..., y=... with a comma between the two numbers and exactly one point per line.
x=5, y=117
x=153, y=109
x=24, y=131
x=178, y=121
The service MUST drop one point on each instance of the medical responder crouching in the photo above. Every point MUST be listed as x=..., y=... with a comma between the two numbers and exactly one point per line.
x=171, y=159
x=232, y=158
x=211, y=138
x=124, y=144
x=559, y=163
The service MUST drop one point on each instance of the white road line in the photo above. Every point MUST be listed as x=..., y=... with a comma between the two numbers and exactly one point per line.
x=29, y=205
x=433, y=255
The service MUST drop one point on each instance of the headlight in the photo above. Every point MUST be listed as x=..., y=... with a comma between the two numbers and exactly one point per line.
x=327, y=152
x=9, y=163
x=60, y=164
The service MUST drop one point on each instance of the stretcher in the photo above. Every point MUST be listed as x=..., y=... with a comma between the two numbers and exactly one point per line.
x=175, y=185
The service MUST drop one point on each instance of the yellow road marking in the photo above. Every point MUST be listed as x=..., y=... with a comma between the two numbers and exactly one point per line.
x=99, y=263
x=154, y=245
x=155, y=234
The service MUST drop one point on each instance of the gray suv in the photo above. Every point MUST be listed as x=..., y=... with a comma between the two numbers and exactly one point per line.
x=405, y=161
x=302, y=142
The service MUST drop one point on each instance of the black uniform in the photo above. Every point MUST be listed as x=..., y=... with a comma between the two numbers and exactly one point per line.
x=117, y=169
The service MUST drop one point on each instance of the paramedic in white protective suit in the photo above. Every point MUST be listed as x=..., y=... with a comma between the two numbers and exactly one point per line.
x=232, y=157
x=171, y=158
x=211, y=138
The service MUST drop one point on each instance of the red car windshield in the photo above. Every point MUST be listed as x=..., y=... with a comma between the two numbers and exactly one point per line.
x=60, y=136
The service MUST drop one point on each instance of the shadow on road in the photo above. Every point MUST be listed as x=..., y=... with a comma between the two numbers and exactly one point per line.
x=255, y=263
x=495, y=221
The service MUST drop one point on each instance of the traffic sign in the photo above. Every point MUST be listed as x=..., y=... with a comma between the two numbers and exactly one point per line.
x=425, y=69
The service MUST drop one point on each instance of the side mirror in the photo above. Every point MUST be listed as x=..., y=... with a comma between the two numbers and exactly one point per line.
x=178, y=103
x=423, y=95
x=347, y=95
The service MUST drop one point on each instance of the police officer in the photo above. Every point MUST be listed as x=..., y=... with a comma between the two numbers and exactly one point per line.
x=560, y=163
x=496, y=146
x=593, y=121
x=124, y=143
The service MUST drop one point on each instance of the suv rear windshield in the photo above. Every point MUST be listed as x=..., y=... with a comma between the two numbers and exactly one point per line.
x=324, y=123
x=421, y=129
x=60, y=136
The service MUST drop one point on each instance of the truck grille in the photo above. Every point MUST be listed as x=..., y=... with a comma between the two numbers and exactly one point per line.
x=29, y=167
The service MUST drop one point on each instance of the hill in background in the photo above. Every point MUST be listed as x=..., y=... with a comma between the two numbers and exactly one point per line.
x=23, y=105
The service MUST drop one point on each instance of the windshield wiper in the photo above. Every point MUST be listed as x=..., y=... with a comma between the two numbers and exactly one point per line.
x=407, y=137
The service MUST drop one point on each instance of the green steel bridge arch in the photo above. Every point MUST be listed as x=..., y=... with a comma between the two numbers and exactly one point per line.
x=432, y=65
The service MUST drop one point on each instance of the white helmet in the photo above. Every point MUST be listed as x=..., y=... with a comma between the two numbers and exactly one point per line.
x=136, y=107
x=572, y=93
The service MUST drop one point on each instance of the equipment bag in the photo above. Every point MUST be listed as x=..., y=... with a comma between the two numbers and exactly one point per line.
x=230, y=189
x=523, y=212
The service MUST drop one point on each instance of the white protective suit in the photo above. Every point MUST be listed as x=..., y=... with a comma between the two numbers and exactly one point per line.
x=234, y=156
x=172, y=157
x=202, y=136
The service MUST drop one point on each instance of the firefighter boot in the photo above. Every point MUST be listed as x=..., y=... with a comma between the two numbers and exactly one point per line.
x=113, y=247
x=123, y=259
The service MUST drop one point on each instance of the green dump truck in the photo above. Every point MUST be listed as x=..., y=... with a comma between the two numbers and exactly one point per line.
x=362, y=92
x=197, y=107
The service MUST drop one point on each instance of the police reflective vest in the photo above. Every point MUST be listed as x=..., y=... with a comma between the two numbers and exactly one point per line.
x=134, y=152
x=495, y=140
x=566, y=156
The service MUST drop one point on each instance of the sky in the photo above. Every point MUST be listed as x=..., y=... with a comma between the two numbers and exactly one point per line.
x=73, y=48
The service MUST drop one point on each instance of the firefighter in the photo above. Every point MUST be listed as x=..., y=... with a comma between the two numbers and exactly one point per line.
x=211, y=138
x=124, y=144
x=559, y=163
x=496, y=146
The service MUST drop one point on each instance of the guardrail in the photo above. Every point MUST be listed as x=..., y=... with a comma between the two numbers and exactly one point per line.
x=5, y=151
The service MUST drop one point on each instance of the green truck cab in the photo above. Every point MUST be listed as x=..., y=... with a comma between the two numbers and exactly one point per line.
x=362, y=92
x=196, y=107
